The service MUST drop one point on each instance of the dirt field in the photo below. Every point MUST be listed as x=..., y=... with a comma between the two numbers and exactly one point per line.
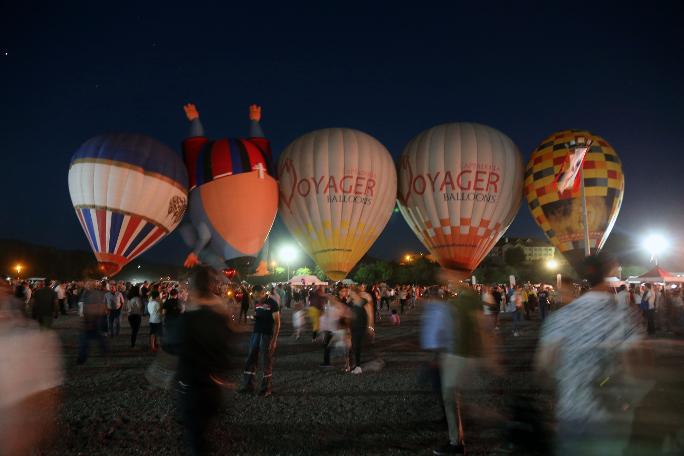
x=110, y=408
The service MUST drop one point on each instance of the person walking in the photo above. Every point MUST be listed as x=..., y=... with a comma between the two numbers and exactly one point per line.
x=583, y=346
x=61, y=291
x=264, y=340
x=94, y=318
x=649, y=299
x=205, y=344
x=155, y=322
x=544, y=302
x=134, y=309
x=464, y=350
x=361, y=323
x=171, y=310
x=518, y=304
x=114, y=302
x=244, y=304
x=44, y=305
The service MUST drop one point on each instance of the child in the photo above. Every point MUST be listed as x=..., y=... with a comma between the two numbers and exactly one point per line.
x=395, y=319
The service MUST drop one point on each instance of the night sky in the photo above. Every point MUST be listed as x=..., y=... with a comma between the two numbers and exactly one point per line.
x=528, y=69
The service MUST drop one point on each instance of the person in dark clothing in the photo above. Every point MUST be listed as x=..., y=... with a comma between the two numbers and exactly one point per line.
x=134, y=309
x=361, y=323
x=171, y=309
x=203, y=359
x=44, y=305
x=496, y=307
x=264, y=339
x=544, y=303
x=94, y=318
x=244, y=304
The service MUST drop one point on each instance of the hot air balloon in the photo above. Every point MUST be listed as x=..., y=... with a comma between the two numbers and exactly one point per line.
x=559, y=214
x=337, y=190
x=459, y=189
x=233, y=196
x=129, y=191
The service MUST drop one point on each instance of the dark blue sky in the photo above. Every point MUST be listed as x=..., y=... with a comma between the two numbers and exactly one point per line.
x=527, y=69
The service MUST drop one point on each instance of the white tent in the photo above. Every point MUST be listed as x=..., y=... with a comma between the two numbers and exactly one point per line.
x=306, y=280
x=348, y=282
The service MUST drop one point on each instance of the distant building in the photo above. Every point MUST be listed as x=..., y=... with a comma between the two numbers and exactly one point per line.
x=535, y=249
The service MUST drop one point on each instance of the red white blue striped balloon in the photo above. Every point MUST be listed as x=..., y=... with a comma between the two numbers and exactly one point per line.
x=128, y=191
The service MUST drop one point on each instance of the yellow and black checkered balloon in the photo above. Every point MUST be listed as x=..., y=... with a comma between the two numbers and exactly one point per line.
x=559, y=215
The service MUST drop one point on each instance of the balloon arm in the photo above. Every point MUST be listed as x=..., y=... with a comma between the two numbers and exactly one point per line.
x=255, y=130
x=203, y=238
x=196, y=128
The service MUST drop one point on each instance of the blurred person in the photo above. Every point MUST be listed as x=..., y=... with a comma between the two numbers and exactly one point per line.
x=298, y=321
x=518, y=305
x=61, y=291
x=395, y=320
x=496, y=307
x=544, y=298
x=454, y=330
x=114, y=302
x=316, y=303
x=244, y=304
x=275, y=295
x=361, y=324
x=264, y=340
x=134, y=309
x=171, y=310
x=622, y=298
x=403, y=294
x=328, y=325
x=648, y=300
x=94, y=319
x=581, y=346
x=155, y=321
x=205, y=342
x=44, y=305
x=30, y=374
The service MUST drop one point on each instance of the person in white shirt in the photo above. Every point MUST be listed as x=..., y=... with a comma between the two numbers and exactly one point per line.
x=61, y=298
x=650, y=298
x=622, y=298
x=154, y=309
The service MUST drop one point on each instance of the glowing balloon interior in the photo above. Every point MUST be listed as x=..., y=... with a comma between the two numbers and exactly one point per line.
x=128, y=191
x=337, y=189
x=559, y=215
x=459, y=190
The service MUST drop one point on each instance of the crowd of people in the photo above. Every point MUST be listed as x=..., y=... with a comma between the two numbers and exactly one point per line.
x=196, y=320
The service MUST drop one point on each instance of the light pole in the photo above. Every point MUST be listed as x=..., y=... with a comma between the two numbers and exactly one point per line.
x=18, y=268
x=655, y=244
x=552, y=265
x=288, y=254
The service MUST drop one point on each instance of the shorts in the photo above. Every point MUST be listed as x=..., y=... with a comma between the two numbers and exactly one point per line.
x=155, y=328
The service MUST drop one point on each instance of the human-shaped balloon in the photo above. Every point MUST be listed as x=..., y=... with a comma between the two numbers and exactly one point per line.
x=233, y=195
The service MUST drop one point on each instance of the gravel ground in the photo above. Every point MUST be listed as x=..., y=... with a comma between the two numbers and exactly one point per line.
x=110, y=408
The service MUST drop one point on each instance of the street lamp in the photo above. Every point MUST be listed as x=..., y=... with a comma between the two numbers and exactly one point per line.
x=552, y=265
x=655, y=244
x=288, y=254
x=408, y=258
x=18, y=268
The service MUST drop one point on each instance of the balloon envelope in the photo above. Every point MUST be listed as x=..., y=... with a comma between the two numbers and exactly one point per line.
x=459, y=190
x=337, y=190
x=233, y=198
x=129, y=191
x=559, y=215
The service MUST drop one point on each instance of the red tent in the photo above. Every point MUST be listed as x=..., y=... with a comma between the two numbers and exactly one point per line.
x=659, y=274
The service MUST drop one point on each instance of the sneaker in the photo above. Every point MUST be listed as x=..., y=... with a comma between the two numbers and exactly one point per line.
x=449, y=449
x=516, y=333
x=357, y=370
